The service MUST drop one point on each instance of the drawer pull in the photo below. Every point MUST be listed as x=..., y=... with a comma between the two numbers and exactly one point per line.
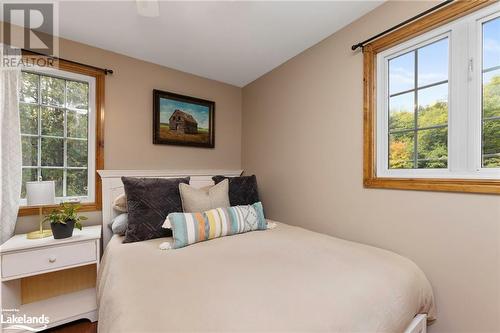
x=52, y=259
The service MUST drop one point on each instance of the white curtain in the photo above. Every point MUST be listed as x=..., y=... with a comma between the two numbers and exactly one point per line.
x=10, y=143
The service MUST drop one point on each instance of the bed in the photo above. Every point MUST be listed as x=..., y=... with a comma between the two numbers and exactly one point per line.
x=282, y=279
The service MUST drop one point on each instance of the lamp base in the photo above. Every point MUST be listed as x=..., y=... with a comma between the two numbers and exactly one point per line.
x=39, y=234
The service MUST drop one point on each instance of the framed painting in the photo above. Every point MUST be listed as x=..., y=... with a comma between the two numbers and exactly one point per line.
x=183, y=120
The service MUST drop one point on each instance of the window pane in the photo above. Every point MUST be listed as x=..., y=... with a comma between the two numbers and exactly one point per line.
x=433, y=63
x=57, y=176
x=77, y=153
x=29, y=146
x=401, y=111
x=29, y=88
x=433, y=148
x=52, y=152
x=52, y=121
x=58, y=110
x=77, y=124
x=29, y=118
x=491, y=43
x=401, y=148
x=491, y=143
x=29, y=175
x=76, y=183
x=491, y=94
x=433, y=106
x=78, y=95
x=402, y=73
x=52, y=91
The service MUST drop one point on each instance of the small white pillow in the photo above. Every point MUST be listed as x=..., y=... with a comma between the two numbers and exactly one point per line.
x=203, y=199
x=120, y=203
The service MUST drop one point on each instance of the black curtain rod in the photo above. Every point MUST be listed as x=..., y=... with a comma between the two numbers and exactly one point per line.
x=104, y=70
x=428, y=11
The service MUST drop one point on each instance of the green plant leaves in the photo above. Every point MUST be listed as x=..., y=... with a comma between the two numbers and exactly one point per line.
x=66, y=211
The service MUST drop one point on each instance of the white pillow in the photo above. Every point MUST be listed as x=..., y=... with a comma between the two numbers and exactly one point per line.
x=120, y=203
x=202, y=199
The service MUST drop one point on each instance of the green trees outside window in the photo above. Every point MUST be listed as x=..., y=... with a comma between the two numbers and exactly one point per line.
x=54, y=130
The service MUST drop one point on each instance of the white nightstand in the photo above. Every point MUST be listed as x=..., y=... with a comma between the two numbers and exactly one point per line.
x=22, y=258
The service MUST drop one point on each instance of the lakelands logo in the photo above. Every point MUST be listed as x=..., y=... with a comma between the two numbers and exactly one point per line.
x=12, y=320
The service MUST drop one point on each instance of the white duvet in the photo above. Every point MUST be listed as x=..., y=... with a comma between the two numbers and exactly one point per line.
x=284, y=279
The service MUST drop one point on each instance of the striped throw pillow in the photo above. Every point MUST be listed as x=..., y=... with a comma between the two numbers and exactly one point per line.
x=190, y=228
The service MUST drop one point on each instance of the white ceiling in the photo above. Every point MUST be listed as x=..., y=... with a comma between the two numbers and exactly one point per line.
x=233, y=42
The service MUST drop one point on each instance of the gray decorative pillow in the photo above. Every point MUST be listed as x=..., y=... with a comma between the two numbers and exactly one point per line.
x=201, y=199
x=242, y=190
x=149, y=201
x=119, y=224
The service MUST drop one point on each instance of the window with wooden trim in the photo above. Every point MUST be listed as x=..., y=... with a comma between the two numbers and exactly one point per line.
x=61, y=132
x=432, y=102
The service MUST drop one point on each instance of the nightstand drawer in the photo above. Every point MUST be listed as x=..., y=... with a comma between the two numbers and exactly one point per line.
x=39, y=260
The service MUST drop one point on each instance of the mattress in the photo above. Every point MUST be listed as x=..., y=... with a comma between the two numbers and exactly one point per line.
x=282, y=279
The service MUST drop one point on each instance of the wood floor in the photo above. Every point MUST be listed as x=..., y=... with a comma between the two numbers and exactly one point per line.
x=79, y=326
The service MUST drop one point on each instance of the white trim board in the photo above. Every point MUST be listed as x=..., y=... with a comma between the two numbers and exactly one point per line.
x=169, y=173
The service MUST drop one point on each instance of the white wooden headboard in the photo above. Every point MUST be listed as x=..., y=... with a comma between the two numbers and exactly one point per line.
x=112, y=187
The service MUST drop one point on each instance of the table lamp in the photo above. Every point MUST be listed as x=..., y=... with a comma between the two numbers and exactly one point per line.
x=40, y=194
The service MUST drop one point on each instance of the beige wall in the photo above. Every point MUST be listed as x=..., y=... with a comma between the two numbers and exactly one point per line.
x=129, y=119
x=129, y=114
x=302, y=136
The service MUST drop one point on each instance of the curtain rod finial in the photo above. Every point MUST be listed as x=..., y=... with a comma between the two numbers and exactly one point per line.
x=355, y=46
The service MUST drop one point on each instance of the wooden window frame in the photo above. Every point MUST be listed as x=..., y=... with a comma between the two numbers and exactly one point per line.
x=99, y=77
x=370, y=179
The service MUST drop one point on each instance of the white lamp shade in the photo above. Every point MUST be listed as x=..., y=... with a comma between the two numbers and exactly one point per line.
x=40, y=193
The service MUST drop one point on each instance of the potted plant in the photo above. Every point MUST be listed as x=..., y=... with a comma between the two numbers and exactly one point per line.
x=64, y=219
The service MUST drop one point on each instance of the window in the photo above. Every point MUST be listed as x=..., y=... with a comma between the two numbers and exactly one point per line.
x=491, y=93
x=432, y=103
x=418, y=107
x=57, y=132
x=61, y=110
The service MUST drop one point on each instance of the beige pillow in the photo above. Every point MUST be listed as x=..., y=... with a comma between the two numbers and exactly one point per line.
x=201, y=199
x=120, y=203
